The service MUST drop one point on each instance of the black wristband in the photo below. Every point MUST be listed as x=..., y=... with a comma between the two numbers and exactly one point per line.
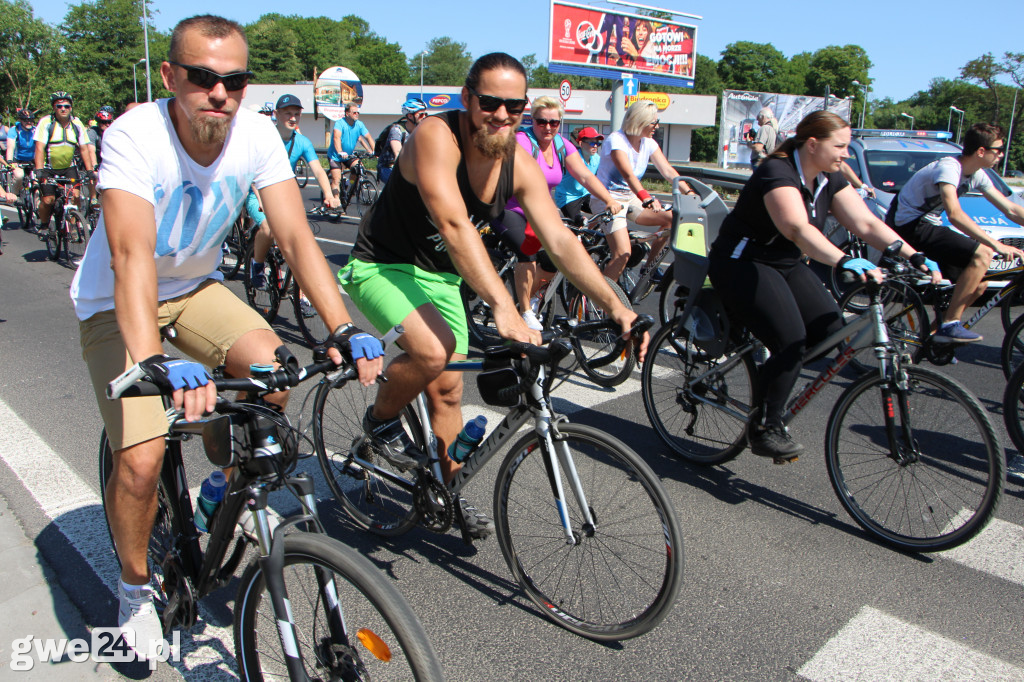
x=648, y=203
x=342, y=334
x=843, y=261
x=917, y=260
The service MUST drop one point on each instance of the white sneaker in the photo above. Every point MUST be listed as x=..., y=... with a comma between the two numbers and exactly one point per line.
x=137, y=613
x=530, y=318
x=248, y=524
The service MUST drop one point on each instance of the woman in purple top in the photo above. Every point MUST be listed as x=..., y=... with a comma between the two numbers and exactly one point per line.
x=552, y=152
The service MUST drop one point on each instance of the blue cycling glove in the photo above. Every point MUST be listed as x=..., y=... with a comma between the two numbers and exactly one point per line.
x=354, y=343
x=857, y=265
x=170, y=374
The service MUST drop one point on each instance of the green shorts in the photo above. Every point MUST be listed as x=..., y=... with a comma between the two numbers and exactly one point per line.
x=387, y=293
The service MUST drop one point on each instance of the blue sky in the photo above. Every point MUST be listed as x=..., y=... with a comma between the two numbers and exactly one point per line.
x=909, y=42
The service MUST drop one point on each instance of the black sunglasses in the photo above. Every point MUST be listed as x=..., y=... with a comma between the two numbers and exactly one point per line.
x=490, y=103
x=206, y=79
x=545, y=123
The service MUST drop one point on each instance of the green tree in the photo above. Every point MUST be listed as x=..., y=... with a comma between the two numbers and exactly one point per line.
x=797, y=71
x=272, y=51
x=29, y=50
x=837, y=67
x=376, y=60
x=706, y=81
x=985, y=70
x=752, y=66
x=446, y=62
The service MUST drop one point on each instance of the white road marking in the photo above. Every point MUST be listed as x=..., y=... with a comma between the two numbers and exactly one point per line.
x=997, y=550
x=877, y=646
x=334, y=241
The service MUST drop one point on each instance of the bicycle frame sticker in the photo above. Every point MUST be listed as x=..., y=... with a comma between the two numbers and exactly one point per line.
x=820, y=381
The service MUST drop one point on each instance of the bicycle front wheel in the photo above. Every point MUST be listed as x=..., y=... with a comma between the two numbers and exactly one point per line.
x=350, y=622
x=698, y=404
x=602, y=355
x=937, y=482
x=312, y=326
x=301, y=173
x=377, y=496
x=1011, y=355
x=264, y=297
x=233, y=250
x=365, y=196
x=1013, y=407
x=77, y=235
x=617, y=578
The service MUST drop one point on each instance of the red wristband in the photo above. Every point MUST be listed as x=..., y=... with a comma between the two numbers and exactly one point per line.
x=643, y=195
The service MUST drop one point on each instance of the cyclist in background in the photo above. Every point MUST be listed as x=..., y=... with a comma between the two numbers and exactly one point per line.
x=104, y=117
x=57, y=138
x=413, y=111
x=21, y=147
x=915, y=214
x=421, y=238
x=348, y=132
x=152, y=262
x=624, y=159
x=756, y=262
x=571, y=197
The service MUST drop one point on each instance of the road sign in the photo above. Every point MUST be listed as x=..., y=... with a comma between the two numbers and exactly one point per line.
x=630, y=85
x=565, y=91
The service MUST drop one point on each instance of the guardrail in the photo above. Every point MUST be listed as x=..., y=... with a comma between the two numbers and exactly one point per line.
x=712, y=176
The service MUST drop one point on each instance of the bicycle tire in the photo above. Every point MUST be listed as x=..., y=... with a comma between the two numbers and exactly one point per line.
x=691, y=419
x=312, y=326
x=369, y=497
x=265, y=300
x=1013, y=409
x=854, y=248
x=941, y=500
x=363, y=599
x=905, y=315
x=301, y=173
x=601, y=356
x=77, y=235
x=234, y=250
x=53, y=243
x=1011, y=353
x=640, y=579
x=479, y=317
x=163, y=540
x=26, y=209
x=1006, y=316
x=671, y=300
x=366, y=195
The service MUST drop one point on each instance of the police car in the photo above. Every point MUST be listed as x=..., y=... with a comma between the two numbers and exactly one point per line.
x=886, y=159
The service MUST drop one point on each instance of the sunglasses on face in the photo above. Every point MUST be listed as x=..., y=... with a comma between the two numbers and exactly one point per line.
x=596, y=143
x=61, y=106
x=490, y=103
x=207, y=80
x=997, y=150
x=548, y=122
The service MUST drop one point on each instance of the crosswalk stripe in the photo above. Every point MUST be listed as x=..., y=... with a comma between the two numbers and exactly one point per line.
x=877, y=646
x=997, y=550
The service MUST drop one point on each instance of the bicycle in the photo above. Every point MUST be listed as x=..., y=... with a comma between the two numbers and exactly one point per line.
x=364, y=191
x=28, y=199
x=235, y=246
x=910, y=453
x=603, y=356
x=302, y=173
x=353, y=624
x=603, y=558
x=71, y=234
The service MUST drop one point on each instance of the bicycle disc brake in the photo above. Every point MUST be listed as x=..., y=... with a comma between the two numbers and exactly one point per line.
x=434, y=503
x=343, y=662
x=179, y=596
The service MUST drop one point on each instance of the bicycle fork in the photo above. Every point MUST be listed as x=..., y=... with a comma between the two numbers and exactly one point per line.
x=902, y=446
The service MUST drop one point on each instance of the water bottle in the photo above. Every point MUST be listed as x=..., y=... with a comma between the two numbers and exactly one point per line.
x=470, y=436
x=210, y=495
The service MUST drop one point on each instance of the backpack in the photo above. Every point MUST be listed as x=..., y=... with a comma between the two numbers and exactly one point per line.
x=780, y=136
x=535, y=148
x=382, y=140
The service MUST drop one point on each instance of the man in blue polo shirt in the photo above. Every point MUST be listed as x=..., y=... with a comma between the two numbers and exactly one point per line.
x=348, y=132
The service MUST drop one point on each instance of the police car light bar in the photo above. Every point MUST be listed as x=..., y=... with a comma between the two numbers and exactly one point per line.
x=926, y=134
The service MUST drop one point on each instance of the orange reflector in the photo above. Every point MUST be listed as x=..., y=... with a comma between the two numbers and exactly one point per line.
x=374, y=644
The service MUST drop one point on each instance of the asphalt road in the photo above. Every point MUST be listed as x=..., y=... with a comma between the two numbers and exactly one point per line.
x=779, y=583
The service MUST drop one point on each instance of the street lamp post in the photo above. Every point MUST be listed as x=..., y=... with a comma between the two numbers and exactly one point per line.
x=863, y=109
x=145, y=38
x=421, y=73
x=135, y=77
x=1009, y=134
x=910, y=117
x=960, y=125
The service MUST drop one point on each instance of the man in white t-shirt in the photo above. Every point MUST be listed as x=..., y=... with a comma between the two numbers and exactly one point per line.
x=915, y=215
x=175, y=174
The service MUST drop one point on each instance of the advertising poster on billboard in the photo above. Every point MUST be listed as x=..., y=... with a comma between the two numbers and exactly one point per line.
x=589, y=37
x=739, y=115
x=336, y=87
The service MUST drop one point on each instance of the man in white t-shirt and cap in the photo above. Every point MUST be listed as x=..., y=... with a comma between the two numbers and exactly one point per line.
x=175, y=175
x=767, y=136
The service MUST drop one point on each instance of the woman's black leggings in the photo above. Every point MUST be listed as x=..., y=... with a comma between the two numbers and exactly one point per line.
x=787, y=308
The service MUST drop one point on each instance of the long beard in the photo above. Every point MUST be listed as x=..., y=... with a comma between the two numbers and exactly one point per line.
x=209, y=130
x=494, y=146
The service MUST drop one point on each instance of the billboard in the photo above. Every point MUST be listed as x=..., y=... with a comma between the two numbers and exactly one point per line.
x=645, y=46
x=739, y=114
x=336, y=87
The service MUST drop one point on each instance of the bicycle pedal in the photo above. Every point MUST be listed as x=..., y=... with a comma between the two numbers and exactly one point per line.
x=783, y=460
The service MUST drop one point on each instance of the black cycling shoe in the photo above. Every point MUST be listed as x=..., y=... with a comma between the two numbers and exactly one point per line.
x=773, y=440
x=389, y=439
x=478, y=525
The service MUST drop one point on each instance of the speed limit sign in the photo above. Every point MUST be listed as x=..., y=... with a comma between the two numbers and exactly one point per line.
x=565, y=91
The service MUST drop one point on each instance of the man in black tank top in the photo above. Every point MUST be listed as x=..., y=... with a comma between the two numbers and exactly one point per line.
x=420, y=239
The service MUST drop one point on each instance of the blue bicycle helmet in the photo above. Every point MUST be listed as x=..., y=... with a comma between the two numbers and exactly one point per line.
x=413, y=105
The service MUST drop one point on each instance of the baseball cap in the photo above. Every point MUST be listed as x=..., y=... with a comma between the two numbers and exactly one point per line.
x=288, y=101
x=590, y=133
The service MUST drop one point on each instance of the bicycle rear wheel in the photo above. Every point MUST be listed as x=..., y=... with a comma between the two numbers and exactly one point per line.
x=265, y=299
x=602, y=355
x=479, y=316
x=350, y=622
x=234, y=250
x=944, y=482
x=905, y=316
x=1009, y=309
x=671, y=299
x=699, y=405
x=377, y=496
x=312, y=326
x=615, y=580
x=1011, y=355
